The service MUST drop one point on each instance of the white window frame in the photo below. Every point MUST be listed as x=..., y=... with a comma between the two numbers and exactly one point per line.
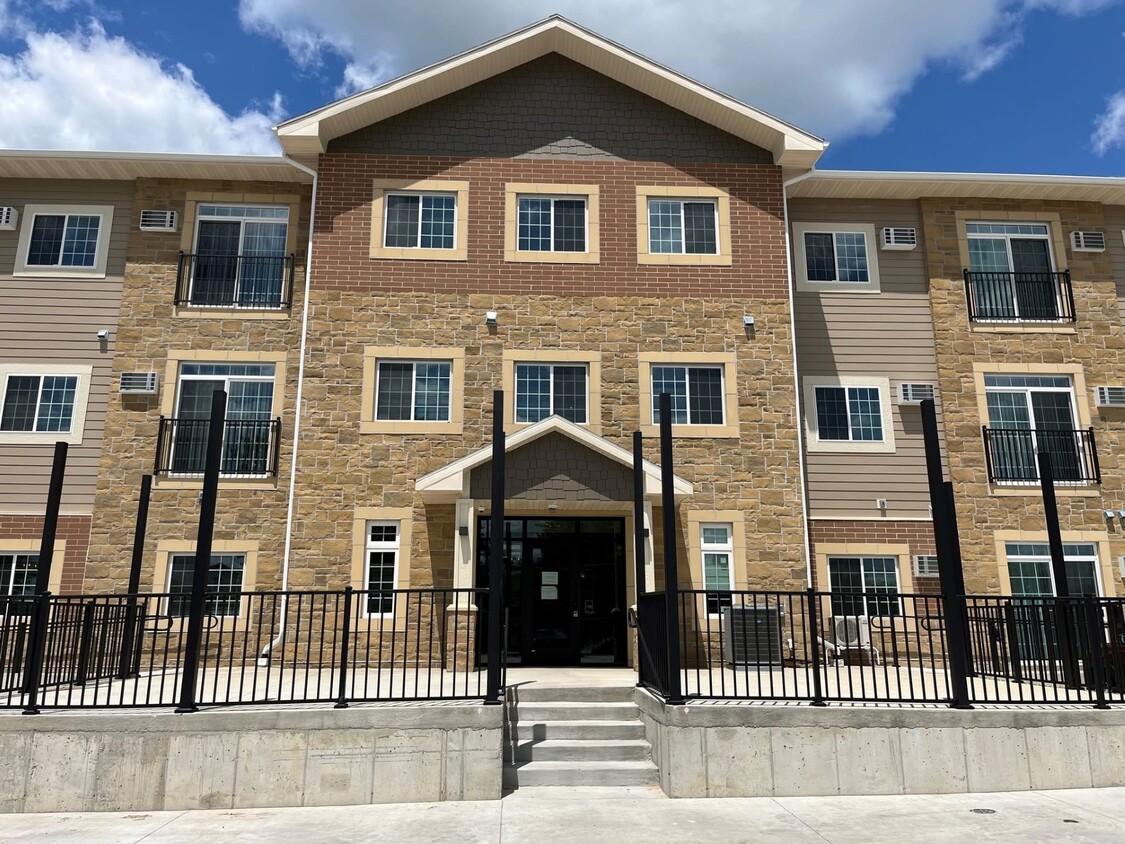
x=382, y=547
x=414, y=362
x=812, y=427
x=687, y=382
x=1009, y=237
x=201, y=217
x=421, y=194
x=172, y=557
x=81, y=401
x=1046, y=558
x=800, y=259
x=1027, y=391
x=863, y=580
x=554, y=197
x=706, y=548
x=681, y=200
x=551, y=365
x=6, y=588
x=101, y=251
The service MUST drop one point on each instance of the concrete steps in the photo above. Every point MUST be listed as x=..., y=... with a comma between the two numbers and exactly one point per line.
x=576, y=737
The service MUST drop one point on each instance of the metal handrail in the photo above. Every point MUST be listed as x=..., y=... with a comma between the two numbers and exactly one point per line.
x=251, y=447
x=241, y=282
x=1010, y=454
x=1019, y=296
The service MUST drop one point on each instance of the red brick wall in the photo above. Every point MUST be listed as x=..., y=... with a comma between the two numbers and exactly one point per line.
x=75, y=530
x=918, y=535
x=343, y=229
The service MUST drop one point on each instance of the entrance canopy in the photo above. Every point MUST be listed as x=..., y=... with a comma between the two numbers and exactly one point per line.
x=455, y=481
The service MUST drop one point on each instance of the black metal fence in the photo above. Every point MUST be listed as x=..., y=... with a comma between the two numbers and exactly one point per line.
x=251, y=447
x=106, y=651
x=252, y=282
x=1011, y=455
x=1019, y=297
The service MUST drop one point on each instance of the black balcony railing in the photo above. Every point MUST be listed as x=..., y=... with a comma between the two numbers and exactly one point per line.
x=1019, y=297
x=250, y=447
x=1011, y=455
x=253, y=282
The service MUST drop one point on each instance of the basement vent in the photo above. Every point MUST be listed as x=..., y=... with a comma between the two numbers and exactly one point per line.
x=1087, y=241
x=915, y=393
x=899, y=238
x=8, y=217
x=158, y=221
x=926, y=565
x=1110, y=396
x=139, y=383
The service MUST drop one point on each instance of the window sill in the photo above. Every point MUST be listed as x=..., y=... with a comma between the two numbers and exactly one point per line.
x=1061, y=491
x=849, y=447
x=59, y=272
x=196, y=312
x=676, y=259
x=196, y=482
x=516, y=256
x=368, y=426
x=838, y=288
x=388, y=253
x=1022, y=327
x=695, y=431
x=44, y=439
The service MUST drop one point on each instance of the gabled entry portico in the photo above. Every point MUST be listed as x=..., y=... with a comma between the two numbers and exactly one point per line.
x=568, y=556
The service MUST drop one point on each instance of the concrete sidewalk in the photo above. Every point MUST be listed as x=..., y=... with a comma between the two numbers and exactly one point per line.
x=619, y=815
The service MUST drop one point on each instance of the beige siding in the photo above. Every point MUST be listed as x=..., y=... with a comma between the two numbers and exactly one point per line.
x=888, y=335
x=56, y=321
x=1115, y=246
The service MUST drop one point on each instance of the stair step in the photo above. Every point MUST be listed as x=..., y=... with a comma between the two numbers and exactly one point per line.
x=579, y=730
x=584, y=750
x=574, y=711
x=534, y=692
x=581, y=774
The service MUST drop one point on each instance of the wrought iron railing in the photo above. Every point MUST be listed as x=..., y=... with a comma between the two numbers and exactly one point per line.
x=251, y=282
x=251, y=448
x=1010, y=454
x=1019, y=297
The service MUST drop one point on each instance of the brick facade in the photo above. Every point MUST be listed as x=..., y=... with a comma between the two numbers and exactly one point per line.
x=918, y=535
x=73, y=530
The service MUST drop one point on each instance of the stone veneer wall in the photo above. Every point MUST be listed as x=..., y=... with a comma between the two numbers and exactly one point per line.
x=1097, y=343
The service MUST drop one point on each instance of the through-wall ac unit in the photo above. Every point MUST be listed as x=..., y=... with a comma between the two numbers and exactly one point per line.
x=1087, y=241
x=926, y=565
x=898, y=238
x=139, y=383
x=752, y=635
x=1110, y=396
x=153, y=220
x=915, y=393
x=851, y=631
x=8, y=217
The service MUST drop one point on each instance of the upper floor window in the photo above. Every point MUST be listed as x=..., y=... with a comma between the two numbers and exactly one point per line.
x=696, y=392
x=683, y=227
x=239, y=258
x=414, y=391
x=420, y=220
x=43, y=402
x=1011, y=274
x=551, y=224
x=545, y=389
x=64, y=240
x=834, y=257
x=849, y=414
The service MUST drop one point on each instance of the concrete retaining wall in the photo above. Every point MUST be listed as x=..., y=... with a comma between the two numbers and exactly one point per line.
x=118, y=761
x=746, y=750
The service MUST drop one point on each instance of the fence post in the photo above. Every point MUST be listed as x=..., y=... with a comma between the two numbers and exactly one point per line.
x=33, y=673
x=675, y=695
x=814, y=643
x=203, y=543
x=949, y=562
x=51, y=520
x=1068, y=653
x=1096, y=656
x=496, y=556
x=342, y=697
x=125, y=668
x=638, y=533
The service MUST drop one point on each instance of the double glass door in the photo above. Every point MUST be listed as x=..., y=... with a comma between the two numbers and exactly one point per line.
x=1032, y=413
x=1012, y=271
x=246, y=435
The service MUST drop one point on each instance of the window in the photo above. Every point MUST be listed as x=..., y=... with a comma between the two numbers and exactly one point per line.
x=1031, y=575
x=717, y=547
x=240, y=258
x=1032, y=413
x=64, y=240
x=420, y=221
x=696, y=391
x=39, y=403
x=849, y=414
x=416, y=391
x=864, y=586
x=224, y=584
x=381, y=571
x=551, y=224
x=18, y=574
x=1012, y=272
x=836, y=258
x=683, y=227
x=545, y=389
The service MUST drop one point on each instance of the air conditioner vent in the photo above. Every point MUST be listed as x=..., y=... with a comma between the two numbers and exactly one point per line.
x=926, y=565
x=752, y=635
x=915, y=393
x=158, y=221
x=1087, y=241
x=139, y=383
x=1110, y=396
x=851, y=631
x=899, y=238
x=8, y=217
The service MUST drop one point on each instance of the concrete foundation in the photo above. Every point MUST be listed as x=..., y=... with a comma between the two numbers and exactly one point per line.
x=118, y=761
x=724, y=749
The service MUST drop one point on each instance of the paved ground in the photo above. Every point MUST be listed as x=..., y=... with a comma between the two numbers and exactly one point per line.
x=619, y=815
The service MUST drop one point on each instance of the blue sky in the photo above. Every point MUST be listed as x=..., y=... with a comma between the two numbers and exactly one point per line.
x=977, y=85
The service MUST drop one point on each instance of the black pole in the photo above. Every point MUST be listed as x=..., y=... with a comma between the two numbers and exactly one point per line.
x=203, y=543
x=949, y=562
x=1054, y=531
x=639, y=559
x=130, y=629
x=342, y=696
x=814, y=644
x=496, y=555
x=675, y=695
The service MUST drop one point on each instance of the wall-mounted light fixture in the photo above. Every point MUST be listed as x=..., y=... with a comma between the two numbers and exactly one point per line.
x=490, y=317
x=463, y=530
x=1109, y=514
x=881, y=503
x=1121, y=514
x=103, y=333
x=747, y=320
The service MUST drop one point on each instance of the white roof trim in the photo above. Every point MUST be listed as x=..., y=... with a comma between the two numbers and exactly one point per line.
x=89, y=164
x=453, y=479
x=310, y=133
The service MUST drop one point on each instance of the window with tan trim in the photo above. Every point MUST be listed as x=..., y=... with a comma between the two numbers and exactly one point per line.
x=704, y=390
x=865, y=578
x=1024, y=568
x=678, y=224
x=381, y=539
x=551, y=223
x=64, y=240
x=717, y=539
x=412, y=390
x=553, y=381
x=835, y=257
x=420, y=219
x=43, y=403
x=232, y=574
x=848, y=414
x=19, y=566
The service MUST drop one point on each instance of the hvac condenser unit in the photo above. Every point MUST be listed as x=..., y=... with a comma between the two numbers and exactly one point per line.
x=752, y=635
x=851, y=631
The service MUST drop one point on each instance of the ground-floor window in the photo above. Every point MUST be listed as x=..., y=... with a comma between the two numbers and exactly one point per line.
x=1030, y=574
x=381, y=575
x=18, y=573
x=864, y=586
x=224, y=584
x=717, y=546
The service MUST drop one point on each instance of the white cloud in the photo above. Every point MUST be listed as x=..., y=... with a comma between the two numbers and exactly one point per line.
x=837, y=69
x=87, y=90
x=1109, y=126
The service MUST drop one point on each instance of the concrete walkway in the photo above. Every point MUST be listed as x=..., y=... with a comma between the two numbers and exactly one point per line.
x=620, y=815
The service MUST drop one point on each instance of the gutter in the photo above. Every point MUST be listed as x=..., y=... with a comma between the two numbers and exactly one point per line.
x=264, y=656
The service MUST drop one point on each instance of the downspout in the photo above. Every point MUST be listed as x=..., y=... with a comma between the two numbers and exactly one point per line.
x=796, y=378
x=268, y=649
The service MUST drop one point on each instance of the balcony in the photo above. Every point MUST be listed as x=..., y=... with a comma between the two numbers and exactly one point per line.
x=245, y=282
x=250, y=448
x=1019, y=297
x=1011, y=455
